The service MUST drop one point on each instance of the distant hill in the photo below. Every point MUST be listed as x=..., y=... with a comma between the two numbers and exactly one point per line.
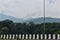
x=5, y=17
x=41, y=20
x=36, y=20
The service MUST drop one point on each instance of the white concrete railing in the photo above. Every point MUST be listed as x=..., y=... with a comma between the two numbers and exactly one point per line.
x=30, y=36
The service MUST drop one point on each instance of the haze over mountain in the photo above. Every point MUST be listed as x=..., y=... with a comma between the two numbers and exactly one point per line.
x=36, y=20
x=5, y=17
x=41, y=20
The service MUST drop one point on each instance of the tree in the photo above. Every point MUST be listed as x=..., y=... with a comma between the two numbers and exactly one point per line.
x=4, y=30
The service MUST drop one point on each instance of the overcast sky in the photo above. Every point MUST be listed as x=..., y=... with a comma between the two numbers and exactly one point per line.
x=30, y=8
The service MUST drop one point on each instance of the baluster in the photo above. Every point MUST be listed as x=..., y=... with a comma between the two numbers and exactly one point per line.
x=37, y=36
x=33, y=36
x=30, y=36
x=7, y=36
x=26, y=36
x=54, y=36
x=23, y=36
x=19, y=36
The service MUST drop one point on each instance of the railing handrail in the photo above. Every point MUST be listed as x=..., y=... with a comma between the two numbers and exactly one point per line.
x=30, y=36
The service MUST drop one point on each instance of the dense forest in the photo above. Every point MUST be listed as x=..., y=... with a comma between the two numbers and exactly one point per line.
x=9, y=27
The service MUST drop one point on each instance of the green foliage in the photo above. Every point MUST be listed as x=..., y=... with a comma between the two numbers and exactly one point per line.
x=8, y=26
x=4, y=30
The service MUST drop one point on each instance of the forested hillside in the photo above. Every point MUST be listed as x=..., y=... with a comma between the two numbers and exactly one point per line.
x=8, y=26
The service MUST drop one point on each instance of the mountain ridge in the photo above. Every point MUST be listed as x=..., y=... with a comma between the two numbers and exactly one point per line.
x=5, y=17
x=35, y=20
